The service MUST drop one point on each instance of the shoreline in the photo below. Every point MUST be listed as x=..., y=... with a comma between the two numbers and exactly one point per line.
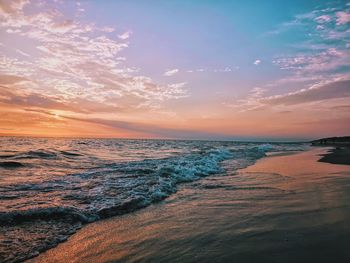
x=111, y=238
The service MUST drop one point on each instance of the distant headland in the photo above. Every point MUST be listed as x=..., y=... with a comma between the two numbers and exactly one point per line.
x=332, y=141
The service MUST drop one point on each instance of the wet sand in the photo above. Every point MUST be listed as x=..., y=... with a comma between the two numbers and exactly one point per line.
x=286, y=208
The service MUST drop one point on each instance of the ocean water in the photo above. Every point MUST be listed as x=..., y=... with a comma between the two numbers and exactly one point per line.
x=49, y=188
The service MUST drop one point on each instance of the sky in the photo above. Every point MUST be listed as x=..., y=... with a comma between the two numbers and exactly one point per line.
x=225, y=70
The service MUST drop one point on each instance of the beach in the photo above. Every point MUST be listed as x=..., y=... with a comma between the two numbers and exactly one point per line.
x=284, y=208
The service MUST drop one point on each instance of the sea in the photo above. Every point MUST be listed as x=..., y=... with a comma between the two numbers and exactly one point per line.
x=49, y=187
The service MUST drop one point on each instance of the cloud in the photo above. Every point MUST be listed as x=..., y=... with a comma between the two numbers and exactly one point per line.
x=324, y=54
x=297, y=21
x=323, y=19
x=198, y=70
x=171, y=72
x=75, y=61
x=12, y=6
x=343, y=18
x=331, y=59
x=215, y=70
x=342, y=107
x=22, y=53
x=177, y=87
x=125, y=35
x=250, y=103
x=108, y=29
x=30, y=117
x=12, y=96
x=226, y=69
x=329, y=92
x=322, y=91
x=9, y=97
x=257, y=62
x=10, y=79
x=153, y=130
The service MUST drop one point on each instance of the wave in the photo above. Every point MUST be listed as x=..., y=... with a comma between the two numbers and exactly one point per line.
x=5, y=156
x=265, y=147
x=67, y=153
x=11, y=164
x=64, y=202
x=41, y=154
x=46, y=213
x=120, y=188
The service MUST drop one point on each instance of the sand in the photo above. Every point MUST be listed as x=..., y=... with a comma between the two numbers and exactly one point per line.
x=285, y=208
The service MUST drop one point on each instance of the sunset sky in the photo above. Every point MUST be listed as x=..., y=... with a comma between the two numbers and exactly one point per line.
x=175, y=69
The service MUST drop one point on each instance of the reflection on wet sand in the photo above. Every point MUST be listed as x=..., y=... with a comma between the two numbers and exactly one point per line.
x=282, y=209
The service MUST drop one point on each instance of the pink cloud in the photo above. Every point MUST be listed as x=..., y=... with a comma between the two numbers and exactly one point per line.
x=171, y=72
x=323, y=19
x=76, y=60
x=343, y=18
x=331, y=59
x=334, y=89
x=257, y=62
x=125, y=35
x=12, y=6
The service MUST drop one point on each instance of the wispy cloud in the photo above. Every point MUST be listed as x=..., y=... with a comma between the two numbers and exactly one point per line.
x=125, y=35
x=250, y=102
x=22, y=53
x=214, y=70
x=73, y=62
x=324, y=53
x=323, y=19
x=141, y=128
x=13, y=6
x=226, y=69
x=333, y=92
x=343, y=18
x=257, y=62
x=325, y=61
x=322, y=91
x=171, y=72
x=177, y=86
